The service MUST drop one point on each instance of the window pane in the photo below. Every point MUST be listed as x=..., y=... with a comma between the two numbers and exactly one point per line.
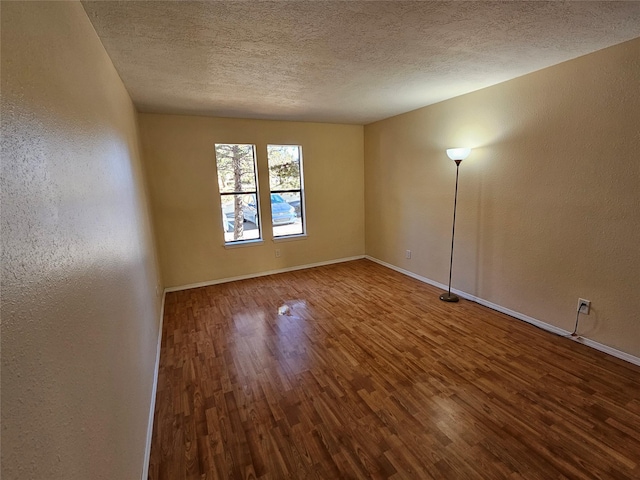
x=240, y=217
x=293, y=199
x=284, y=167
x=236, y=168
x=286, y=214
x=286, y=185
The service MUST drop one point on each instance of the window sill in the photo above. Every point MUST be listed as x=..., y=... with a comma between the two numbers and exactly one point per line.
x=290, y=238
x=244, y=243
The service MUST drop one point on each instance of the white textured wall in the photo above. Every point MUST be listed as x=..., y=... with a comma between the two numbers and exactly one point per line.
x=79, y=310
x=549, y=202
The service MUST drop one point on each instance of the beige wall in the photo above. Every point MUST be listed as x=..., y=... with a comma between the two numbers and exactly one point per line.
x=180, y=163
x=79, y=310
x=549, y=201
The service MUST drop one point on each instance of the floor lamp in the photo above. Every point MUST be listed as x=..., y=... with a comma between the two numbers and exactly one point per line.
x=457, y=155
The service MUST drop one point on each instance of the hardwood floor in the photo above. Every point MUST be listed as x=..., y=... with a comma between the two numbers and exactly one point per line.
x=370, y=375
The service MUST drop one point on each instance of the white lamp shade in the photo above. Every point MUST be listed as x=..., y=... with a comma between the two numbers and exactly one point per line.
x=458, y=153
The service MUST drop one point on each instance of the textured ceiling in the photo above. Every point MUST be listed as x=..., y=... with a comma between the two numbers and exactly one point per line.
x=340, y=61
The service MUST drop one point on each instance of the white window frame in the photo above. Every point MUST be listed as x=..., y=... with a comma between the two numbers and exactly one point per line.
x=300, y=191
x=256, y=193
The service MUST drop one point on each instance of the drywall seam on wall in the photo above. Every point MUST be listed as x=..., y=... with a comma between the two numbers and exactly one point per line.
x=512, y=313
x=262, y=274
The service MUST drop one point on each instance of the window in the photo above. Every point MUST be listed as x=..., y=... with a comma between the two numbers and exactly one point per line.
x=287, y=189
x=237, y=180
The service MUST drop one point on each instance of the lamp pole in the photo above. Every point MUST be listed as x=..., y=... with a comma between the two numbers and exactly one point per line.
x=457, y=155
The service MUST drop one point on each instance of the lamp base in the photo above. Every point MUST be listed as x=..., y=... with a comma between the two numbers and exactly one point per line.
x=449, y=297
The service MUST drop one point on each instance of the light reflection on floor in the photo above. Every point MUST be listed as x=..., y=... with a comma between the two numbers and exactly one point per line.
x=279, y=334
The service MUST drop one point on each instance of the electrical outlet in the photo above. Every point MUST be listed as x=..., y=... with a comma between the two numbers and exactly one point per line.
x=584, y=306
x=407, y=254
x=277, y=253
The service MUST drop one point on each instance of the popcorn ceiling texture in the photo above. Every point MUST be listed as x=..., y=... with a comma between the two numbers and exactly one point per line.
x=342, y=62
x=79, y=311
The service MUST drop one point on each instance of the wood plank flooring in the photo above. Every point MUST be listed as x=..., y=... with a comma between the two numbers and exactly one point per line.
x=369, y=375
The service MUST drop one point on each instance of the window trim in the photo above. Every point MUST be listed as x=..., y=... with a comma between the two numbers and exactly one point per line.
x=291, y=236
x=243, y=243
x=256, y=193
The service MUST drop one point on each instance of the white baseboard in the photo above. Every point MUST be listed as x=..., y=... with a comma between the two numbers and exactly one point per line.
x=147, y=453
x=520, y=316
x=607, y=349
x=419, y=277
x=538, y=323
x=154, y=389
x=261, y=274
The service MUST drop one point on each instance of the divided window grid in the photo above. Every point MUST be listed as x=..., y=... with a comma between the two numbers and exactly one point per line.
x=287, y=189
x=239, y=199
x=239, y=195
